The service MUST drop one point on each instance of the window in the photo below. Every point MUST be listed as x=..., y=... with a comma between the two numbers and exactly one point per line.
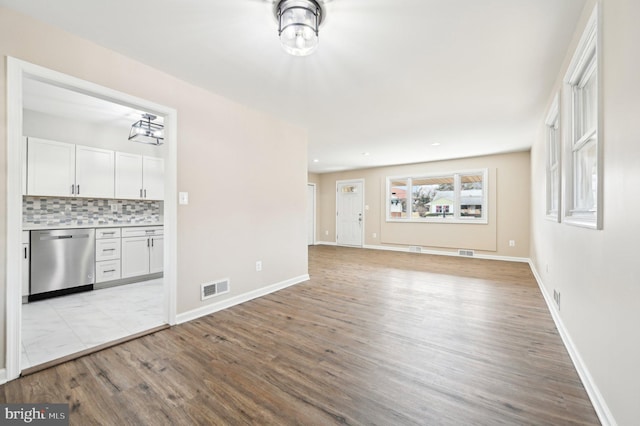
x=583, y=196
x=553, y=161
x=451, y=197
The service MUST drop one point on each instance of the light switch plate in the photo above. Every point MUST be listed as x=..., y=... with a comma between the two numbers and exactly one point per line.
x=183, y=198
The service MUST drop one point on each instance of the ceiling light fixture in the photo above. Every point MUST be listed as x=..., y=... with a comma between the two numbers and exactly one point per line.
x=146, y=131
x=298, y=22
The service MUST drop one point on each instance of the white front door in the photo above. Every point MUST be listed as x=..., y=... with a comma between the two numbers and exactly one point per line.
x=311, y=214
x=349, y=213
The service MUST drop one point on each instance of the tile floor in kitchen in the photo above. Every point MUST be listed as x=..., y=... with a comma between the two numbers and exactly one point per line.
x=61, y=326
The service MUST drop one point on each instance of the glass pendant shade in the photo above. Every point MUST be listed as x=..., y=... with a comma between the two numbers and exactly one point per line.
x=298, y=22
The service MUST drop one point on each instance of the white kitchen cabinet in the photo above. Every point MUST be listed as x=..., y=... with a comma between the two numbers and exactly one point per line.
x=26, y=257
x=63, y=169
x=153, y=178
x=94, y=172
x=142, y=251
x=51, y=167
x=139, y=177
x=108, y=251
x=156, y=254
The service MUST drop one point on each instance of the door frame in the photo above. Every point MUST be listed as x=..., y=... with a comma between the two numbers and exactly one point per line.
x=315, y=204
x=339, y=182
x=16, y=71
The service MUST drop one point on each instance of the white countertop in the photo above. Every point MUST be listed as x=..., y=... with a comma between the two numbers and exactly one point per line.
x=31, y=227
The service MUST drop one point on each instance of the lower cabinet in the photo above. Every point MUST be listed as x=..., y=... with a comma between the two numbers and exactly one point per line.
x=142, y=251
x=26, y=257
x=107, y=254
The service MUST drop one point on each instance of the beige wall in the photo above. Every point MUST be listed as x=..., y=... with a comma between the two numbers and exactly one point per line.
x=509, y=182
x=596, y=271
x=229, y=160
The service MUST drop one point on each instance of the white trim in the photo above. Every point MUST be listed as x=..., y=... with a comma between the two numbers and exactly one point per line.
x=363, y=233
x=599, y=404
x=449, y=253
x=3, y=376
x=236, y=300
x=16, y=70
x=552, y=120
x=326, y=243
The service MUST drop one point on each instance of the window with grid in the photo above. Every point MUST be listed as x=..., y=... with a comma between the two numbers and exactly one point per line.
x=583, y=195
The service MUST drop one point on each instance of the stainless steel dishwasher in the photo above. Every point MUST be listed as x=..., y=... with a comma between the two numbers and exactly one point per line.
x=62, y=262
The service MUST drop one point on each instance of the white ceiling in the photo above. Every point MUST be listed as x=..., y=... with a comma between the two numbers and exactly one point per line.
x=390, y=77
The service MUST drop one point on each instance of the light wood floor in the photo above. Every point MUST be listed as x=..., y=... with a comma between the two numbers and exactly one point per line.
x=374, y=338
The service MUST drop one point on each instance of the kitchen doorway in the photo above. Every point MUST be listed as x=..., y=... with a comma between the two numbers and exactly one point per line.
x=17, y=72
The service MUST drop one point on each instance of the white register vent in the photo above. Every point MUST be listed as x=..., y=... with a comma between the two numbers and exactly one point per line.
x=208, y=290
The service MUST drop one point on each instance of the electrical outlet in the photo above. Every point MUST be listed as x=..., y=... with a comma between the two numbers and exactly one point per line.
x=326, y=232
x=512, y=243
x=114, y=208
x=375, y=235
x=259, y=266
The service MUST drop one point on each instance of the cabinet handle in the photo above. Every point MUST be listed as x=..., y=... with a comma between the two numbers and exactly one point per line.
x=73, y=189
x=145, y=193
x=109, y=270
x=25, y=252
x=152, y=242
x=108, y=249
x=78, y=189
x=112, y=232
x=148, y=245
x=140, y=192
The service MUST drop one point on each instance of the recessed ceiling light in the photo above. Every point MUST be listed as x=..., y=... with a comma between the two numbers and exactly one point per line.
x=315, y=160
x=366, y=154
x=435, y=144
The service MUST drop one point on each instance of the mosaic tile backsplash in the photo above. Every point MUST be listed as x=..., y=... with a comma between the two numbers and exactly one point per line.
x=87, y=211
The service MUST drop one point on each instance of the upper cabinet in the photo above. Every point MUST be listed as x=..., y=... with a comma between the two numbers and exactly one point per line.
x=139, y=177
x=63, y=169
x=94, y=172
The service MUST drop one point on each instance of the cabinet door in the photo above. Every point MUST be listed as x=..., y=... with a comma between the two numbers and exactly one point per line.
x=95, y=170
x=153, y=178
x=25, y=269
x=156, y=254
x=134, y=256
x=128, y=175
x=51, y=167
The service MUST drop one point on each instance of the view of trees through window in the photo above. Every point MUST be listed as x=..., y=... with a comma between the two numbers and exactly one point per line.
x=447, y=196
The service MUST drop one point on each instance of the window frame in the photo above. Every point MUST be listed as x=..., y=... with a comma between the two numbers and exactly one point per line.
x=457, y=179
x=553, y=152
x=585, y=62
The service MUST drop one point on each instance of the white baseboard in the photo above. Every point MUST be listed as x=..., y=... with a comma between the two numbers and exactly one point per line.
x=326, y=243
x=449, y=253
x=236, y=300
x=3, y=376
x=599, y=404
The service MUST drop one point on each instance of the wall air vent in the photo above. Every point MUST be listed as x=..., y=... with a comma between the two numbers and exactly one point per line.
x=415, y=249
x=468, y=253
x=208, y=290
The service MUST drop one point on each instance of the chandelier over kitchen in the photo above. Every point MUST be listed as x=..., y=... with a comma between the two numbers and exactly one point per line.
x=146, y=131
x=298, y=22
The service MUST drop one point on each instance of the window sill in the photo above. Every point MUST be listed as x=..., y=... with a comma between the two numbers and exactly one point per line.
x=455, y=221
x=582, y=222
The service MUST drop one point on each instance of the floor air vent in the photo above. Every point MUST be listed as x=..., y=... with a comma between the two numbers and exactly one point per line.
x=212, y=289
x=468, y=253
